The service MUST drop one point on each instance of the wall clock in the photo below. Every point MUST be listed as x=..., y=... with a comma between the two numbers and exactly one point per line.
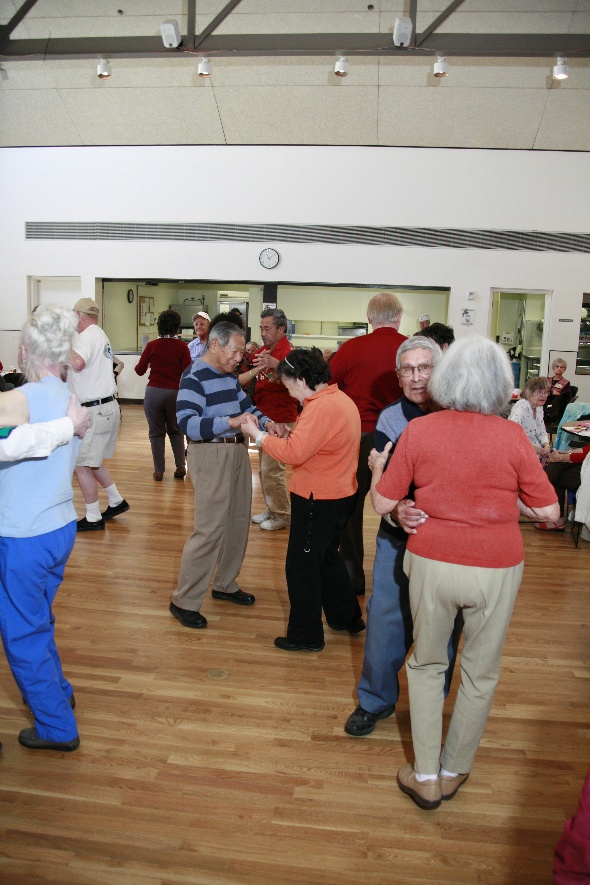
x=130, y=295
x=269, y=258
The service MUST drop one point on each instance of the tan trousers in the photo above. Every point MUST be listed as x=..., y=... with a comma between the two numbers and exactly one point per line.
x=437, y=591
x=222, y=481
x=274, y=486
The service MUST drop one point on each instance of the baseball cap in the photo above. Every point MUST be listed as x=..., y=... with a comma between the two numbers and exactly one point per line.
x=424, y=317
x=87, y=305
x=201, y=313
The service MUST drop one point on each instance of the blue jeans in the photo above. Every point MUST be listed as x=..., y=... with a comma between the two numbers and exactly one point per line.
x=31, y=572
x=389, y=634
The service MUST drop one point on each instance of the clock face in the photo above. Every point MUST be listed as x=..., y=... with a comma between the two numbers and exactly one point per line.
x=269, y=258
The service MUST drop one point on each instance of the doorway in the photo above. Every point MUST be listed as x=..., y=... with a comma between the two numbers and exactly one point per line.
x=519, y=321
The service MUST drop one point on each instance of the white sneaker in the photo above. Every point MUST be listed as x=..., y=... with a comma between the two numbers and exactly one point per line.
x=273, y=524
x=262, y=517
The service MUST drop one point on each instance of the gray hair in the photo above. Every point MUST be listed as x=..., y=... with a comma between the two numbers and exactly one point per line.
x=278, y=316
x=46, y=340
x=222, y=332
x=384, y=307
x=558, y=359
x=474, y=376
x=533, y=384
x=415, y=342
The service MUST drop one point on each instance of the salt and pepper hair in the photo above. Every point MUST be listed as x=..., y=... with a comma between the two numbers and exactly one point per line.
x=533, y=385
x=474, y=376
x=309, y=365
x=278, y=316
x=558, y=360
x=46, y=340
x=384, y=308
x=222, y=332
x=415, y=342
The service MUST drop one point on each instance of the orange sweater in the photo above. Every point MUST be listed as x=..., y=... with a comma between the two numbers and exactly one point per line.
x=323, y=447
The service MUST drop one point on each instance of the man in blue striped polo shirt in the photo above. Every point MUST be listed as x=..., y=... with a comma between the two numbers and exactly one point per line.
x=210, y=409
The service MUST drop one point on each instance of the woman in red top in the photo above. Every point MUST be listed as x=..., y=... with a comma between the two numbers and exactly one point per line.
x=473, y=473
x=323, y=448
x=167, y=357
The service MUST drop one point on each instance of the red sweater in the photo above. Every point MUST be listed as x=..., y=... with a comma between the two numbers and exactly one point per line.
x=167, y=359
x=469, y=470
x=364, y=368
x=271, y=395
x=323, y=447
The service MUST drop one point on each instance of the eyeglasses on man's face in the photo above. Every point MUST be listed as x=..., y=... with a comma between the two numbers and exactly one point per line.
x=424, y=369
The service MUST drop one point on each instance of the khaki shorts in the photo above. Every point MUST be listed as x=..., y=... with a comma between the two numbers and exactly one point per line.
x=101, y=437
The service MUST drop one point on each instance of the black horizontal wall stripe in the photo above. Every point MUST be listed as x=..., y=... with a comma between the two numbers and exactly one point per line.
x=426, y=238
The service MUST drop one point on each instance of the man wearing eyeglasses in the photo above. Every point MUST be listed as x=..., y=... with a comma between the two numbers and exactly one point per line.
x=364, y=368
x=389, y=632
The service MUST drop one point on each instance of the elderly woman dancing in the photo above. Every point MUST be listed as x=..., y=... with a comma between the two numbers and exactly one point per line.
x=37, y=532
x=323, y=448
x=467, y=555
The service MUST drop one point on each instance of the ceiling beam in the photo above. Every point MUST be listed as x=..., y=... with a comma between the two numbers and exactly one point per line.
x=438, y=21
x=214, y=24
x=16, y=19
x=301, y=45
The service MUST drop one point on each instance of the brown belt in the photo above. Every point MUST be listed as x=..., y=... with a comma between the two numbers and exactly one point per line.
x=224, y=439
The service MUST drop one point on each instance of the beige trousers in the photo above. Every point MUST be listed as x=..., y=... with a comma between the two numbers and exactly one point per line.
x=437, y=591
x=222, y=481
x=274, y=486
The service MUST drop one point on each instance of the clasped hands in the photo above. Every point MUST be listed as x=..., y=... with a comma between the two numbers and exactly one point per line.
x=248, y=423
x=405, y=512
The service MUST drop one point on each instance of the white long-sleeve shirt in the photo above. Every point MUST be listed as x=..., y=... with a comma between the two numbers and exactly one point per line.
x=36, y=440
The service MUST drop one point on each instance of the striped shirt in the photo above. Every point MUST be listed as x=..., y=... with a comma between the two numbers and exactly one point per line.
x=207, y=399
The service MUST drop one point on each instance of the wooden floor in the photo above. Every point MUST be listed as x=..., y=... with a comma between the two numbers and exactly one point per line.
x=211, y=757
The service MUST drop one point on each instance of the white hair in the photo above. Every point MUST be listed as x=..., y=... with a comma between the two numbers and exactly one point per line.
x=47, y=340
x=474, y=376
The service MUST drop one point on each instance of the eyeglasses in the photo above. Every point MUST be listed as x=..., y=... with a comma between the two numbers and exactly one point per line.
x=424, y=369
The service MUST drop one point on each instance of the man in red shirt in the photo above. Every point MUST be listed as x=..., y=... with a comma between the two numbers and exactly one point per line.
x=364, y=368
x=273, y=399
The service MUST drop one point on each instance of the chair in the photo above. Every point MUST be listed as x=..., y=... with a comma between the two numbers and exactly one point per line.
x=553, y=411
x=570, y=516
x=573, y=412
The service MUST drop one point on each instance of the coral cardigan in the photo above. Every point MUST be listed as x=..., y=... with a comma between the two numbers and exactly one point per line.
x=323, y=447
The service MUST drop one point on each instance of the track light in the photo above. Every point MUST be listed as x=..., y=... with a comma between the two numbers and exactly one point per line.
x=103, y=69
x=204, y=69
x=441, y=68
x=341, y=67
x=3, y=73
x=170, y=34
x=560, y=71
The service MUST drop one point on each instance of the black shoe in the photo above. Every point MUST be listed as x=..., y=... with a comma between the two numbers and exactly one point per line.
x=122, y=507
x=361, y=722
x=356, y=627
x=239, y=597
x=188, y=618
x=84, y=526
x=287, y=645
x=71, y=701
x=29, y=738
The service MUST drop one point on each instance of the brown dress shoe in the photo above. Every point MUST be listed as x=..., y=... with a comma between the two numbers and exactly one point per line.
x=180, y=473
x=426, y=794
x=158, y=476
x=450, y=785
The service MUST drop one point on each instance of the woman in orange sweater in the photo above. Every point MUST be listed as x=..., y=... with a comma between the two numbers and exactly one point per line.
x=323, y=449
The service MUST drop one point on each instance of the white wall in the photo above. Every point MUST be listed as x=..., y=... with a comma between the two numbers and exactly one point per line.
x=513, y=190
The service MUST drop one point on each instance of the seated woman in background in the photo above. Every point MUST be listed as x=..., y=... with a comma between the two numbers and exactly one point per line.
x=560, y=392
x=528, y=412
x=564, y=474
x=167, y=357
x=323, y=448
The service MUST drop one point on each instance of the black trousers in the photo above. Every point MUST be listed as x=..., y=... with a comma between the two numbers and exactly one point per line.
x=563, y=476
x=352, y=545
x=316, y=575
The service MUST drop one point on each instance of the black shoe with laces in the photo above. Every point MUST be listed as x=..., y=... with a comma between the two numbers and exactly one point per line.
x=195, y=620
